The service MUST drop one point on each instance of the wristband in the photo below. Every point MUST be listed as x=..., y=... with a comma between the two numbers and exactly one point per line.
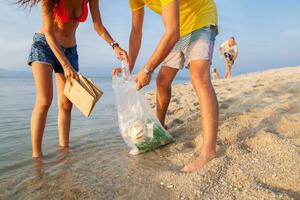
x=147, y=71
x=65, y=66
x=114, y=44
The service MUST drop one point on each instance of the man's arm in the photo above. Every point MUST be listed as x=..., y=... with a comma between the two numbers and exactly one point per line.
x=236, y=52
x=135, y=36
x=170, y=14
x=235, y=55
x=221, y=51
x=171, y=35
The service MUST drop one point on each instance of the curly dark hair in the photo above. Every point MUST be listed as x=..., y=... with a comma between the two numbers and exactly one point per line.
x=30, y=3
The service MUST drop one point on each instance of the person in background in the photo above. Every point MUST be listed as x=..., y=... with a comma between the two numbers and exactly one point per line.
x=188, y=41
x=229, y=51
x=54, y=49
x=214, y=74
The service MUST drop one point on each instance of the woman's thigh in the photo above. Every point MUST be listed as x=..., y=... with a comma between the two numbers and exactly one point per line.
x=42, y=74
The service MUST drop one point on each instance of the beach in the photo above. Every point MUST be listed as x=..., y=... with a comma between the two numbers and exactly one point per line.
x=258, y=148
x=258, y=153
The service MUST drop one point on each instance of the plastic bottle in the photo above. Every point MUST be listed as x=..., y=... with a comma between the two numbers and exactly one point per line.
x=125, y=70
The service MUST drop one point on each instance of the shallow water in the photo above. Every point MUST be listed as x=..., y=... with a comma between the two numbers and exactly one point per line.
x=97, y=166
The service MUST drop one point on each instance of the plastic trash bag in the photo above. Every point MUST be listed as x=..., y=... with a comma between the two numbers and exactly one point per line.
x=139, y=127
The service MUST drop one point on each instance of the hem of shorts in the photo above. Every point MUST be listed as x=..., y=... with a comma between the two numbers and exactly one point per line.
x=198, y=58
x=179, y=68
x=59, y=72
x=42, y=62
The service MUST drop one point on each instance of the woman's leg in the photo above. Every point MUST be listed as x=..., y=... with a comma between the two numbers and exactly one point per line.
x=199, y=72
x=42, y=74
x=64, y=111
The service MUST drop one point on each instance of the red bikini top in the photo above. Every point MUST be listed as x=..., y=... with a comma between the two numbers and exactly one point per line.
x=61, y=14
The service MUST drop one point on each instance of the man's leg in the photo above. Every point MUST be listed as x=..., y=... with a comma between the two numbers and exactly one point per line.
x=199, y=72
x=228, y=68
x=164, y=81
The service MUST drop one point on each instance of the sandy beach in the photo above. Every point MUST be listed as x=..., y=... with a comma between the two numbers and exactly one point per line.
x=258, y=143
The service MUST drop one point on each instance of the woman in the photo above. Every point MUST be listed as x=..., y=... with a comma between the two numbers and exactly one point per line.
x=54, y=49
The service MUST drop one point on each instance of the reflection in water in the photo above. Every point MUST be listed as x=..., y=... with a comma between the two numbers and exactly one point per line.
x=97, y=164
x=95, y=171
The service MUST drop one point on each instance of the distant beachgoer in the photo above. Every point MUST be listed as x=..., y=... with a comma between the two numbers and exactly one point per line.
x=188, y=41
x=214, y=73
x=54, y=49
x=229, y=51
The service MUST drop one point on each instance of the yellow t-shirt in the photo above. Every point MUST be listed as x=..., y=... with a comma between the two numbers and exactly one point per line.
x=194, y=14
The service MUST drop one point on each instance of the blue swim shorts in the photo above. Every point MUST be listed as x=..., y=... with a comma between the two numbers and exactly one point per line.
x=41, y=52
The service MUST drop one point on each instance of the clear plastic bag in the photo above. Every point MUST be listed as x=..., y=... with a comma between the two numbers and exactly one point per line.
x=139, y=127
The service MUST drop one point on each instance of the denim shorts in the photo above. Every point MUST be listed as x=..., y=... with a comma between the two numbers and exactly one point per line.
x=42, y=53
x=198, y=45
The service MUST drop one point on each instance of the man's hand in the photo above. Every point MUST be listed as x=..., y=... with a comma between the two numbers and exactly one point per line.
x=235, y=56
x=142, y=79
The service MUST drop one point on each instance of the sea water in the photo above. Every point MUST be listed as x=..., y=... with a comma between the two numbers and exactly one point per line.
x=97, y=165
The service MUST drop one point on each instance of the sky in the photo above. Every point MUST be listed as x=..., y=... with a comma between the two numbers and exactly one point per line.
x=267, y=33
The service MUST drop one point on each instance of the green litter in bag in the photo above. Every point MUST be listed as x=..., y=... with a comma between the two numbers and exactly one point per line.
x=159, y=138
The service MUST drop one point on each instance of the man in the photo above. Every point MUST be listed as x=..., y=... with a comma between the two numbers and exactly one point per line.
x=229, y=51
x=188, y=41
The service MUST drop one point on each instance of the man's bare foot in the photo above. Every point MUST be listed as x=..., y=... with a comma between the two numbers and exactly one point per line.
x=198, y=163
x=165, y=127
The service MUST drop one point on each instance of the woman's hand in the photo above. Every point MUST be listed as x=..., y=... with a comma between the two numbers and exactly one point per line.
x=121, y=54
x=116, y=71
x=70, y=73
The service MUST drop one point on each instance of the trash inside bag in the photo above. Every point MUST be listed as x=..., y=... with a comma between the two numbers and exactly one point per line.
x=139, y=127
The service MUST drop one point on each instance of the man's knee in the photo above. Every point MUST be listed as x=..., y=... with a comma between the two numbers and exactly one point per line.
x=201, y=78
x=162, y=82
x=200, y=81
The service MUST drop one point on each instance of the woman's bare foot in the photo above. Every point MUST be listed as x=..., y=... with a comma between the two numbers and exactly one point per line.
x=198, y=163
x=37, y=155
x=64, y=149
x=38, y=160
